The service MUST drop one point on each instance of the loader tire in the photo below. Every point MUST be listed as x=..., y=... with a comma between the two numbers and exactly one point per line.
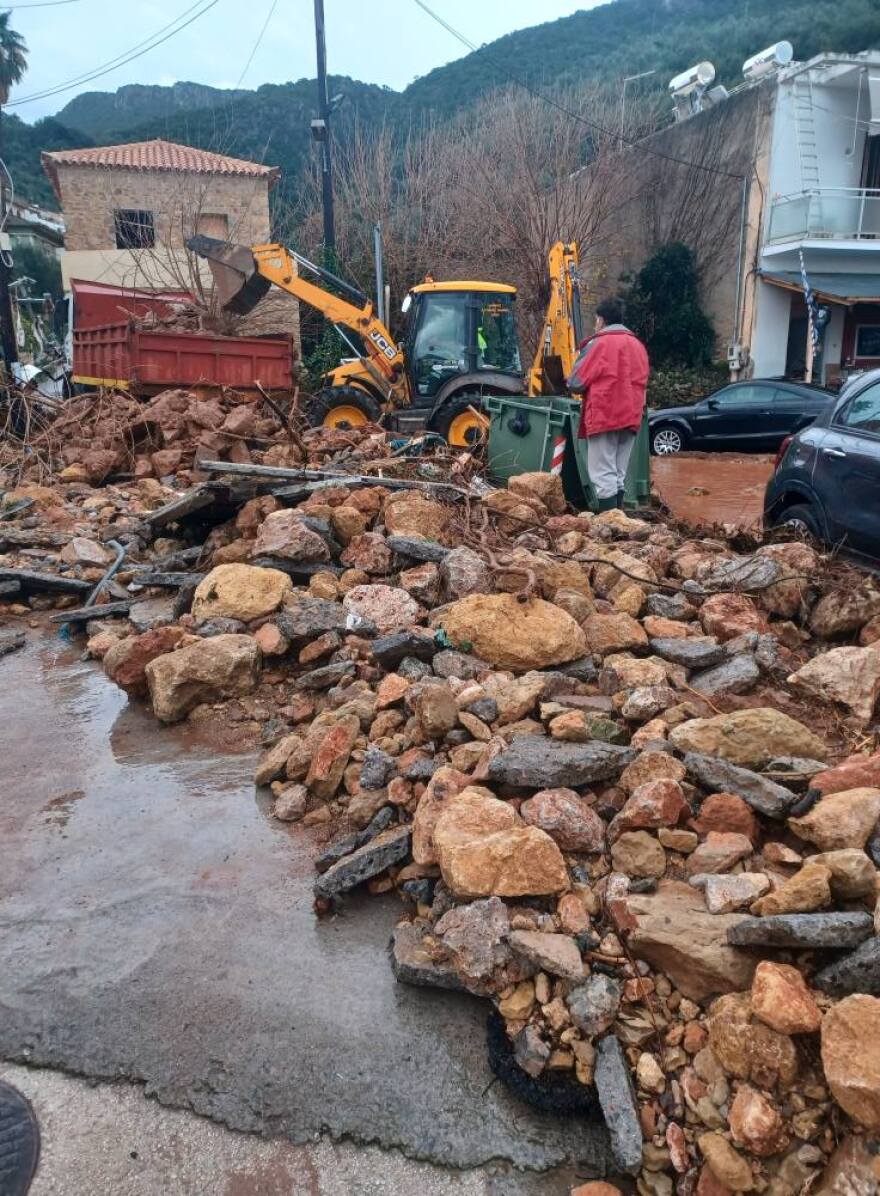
x=343, y=407
x=462, y=422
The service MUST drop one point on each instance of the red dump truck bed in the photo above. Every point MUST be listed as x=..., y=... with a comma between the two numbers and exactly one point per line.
x=119, y=355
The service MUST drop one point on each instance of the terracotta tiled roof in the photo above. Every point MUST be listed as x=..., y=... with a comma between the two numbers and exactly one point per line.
x=154, y=155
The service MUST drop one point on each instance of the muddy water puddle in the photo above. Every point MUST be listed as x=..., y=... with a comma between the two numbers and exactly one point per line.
x=157, y=924
x=703, y=489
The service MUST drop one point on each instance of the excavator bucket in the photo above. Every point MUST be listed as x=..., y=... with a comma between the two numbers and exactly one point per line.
x=240, y=286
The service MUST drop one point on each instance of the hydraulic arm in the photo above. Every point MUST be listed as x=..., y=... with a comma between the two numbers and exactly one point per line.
x=243, y=275
x=563, y=327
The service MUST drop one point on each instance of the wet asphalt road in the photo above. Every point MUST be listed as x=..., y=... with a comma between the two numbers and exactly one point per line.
x=156, y=925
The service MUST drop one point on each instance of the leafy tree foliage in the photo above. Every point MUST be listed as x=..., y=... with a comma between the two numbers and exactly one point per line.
x=663, y=309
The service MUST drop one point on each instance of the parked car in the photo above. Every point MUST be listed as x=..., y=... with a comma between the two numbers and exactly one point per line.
x=756, y=415
x=827, y=478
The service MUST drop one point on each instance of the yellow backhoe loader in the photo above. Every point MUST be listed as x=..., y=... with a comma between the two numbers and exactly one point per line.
x=460, y=342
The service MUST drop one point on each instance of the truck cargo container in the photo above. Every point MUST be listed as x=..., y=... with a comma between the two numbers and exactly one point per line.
x=124, y=357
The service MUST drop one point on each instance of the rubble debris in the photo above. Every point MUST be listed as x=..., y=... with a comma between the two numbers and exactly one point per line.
x=625, y=782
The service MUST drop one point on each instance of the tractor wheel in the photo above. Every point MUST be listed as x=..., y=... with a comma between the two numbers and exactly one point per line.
x=343, y=407
x=462, y=422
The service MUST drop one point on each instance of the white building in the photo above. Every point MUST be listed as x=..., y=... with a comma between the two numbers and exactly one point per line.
x=823, y=201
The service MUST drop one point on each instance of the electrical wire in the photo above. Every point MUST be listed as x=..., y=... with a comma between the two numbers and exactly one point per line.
x=38, y=4
x=256, y=46
x=150, y=43
x=567, y=111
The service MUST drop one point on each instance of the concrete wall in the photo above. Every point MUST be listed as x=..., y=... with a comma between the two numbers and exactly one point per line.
x=658, y=201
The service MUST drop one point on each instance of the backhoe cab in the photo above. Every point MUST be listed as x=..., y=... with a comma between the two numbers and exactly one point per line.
x=460, y=342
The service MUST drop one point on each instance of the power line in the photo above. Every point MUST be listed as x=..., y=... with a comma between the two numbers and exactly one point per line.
x=567, y=111
x=38, y=4
x=150, y=43
x=256, y=47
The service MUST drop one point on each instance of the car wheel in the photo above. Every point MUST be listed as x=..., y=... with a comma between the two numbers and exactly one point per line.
x=801, y=519
x=666, y=440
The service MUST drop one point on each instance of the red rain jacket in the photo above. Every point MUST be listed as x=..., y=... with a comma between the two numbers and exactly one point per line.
x=612, y=373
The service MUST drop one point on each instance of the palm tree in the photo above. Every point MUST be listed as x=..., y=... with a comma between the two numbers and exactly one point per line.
x=13, y=57
x=13, y=64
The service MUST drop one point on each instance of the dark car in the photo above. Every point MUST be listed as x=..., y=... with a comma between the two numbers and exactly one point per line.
x=827, y=478
x=755, y=416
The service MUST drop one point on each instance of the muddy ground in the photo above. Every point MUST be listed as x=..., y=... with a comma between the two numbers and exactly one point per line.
x=157, y=926
x=703, y=489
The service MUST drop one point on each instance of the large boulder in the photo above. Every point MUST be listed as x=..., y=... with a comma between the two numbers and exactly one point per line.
x=851, y=1057
x=409, y=513
x=484, y=850
x=749, y=738
x=242, y=592
x=846, y=610
x=514, y=635
x=727, y=616
x=284, y=534
x=850, y=676
x=125, y=662
x=840, y=820
x=386, y=607
x=674, y=932
x=218, y=667
x=546, y=487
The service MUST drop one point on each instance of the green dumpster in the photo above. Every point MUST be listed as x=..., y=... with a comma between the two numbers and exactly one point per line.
x=523, y=432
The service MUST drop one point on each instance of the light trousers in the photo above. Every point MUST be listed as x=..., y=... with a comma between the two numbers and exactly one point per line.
x=608, y=455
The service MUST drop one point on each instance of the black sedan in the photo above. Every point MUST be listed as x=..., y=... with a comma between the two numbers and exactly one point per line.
x=827, y=479
x=755, y=416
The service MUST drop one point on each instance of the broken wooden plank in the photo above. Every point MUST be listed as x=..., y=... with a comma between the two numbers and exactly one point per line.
x=328, y=477
x=34, y=582
x=193, y=500
x=166, y=581
x=296, y=569
x=85, y=614
x=11, y=641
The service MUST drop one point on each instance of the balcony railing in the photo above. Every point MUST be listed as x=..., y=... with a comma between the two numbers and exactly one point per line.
x=826, y=213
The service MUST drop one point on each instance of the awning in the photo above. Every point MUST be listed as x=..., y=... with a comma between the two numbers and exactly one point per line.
x=833, y=288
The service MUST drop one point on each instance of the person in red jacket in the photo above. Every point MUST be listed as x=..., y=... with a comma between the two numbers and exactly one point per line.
x=611, y=372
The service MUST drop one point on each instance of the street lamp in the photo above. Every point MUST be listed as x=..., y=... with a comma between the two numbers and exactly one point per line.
x=629, y=79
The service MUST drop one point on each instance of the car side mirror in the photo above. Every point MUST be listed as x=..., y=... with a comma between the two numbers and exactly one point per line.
x=713, y=404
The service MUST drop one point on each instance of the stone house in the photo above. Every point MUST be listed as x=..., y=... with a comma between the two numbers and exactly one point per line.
x=129, y=208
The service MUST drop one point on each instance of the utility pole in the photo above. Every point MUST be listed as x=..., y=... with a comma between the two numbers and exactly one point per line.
x=321, y=133
x=628, y=79
x=8, y=341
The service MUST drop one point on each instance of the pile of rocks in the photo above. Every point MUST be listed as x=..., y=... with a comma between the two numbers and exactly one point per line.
x=104, y=433
x=579, y=751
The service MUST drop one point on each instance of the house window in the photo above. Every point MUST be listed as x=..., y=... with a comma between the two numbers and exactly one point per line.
x=134, y=229
x=868, y=340
x=213, y=224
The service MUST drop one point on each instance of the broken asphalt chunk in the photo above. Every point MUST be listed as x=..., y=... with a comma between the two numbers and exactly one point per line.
x=542, y=763
x=720, y=776
x=390, y=847
x=618, y=1101
x=818, y=931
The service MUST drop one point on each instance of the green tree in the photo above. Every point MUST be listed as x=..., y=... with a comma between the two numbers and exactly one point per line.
x=663, y=309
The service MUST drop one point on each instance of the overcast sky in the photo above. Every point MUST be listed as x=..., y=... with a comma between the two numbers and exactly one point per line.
x=378, y=41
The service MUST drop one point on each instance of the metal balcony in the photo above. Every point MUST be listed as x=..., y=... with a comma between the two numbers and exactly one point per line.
x=826, y=214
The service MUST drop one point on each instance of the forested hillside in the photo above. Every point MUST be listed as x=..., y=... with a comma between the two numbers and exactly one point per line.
x=601, y=45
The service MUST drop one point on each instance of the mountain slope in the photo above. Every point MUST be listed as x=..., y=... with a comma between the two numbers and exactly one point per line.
x=600, y=45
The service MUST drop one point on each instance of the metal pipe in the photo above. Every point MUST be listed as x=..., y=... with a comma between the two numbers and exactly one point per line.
x=114, y=568
x=740, y=254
